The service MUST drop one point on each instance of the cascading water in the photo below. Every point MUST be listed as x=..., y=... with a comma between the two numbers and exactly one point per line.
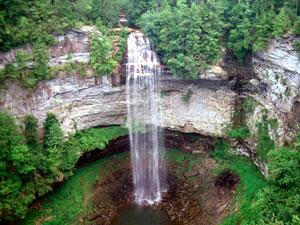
x=143, y=77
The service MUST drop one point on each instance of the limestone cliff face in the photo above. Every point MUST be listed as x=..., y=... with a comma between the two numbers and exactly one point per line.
x=278, y=84
x=276, y=88
x=75, y=42
x=82, y=102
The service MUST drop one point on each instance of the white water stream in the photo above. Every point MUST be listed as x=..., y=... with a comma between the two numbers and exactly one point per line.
x=146, y=140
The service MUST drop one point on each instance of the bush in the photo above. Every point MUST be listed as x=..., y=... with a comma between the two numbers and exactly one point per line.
x=31, y=125
x=101, y=60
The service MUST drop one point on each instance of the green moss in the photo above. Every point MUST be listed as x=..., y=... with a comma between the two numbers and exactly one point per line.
x=184, y=161
x=251, y=182
x=239, y=133
x=187, y=96
x=297, y=46
x=97, y=138
x=265, y=143
x=283, y=81
x=163, y=93
x=66, y=204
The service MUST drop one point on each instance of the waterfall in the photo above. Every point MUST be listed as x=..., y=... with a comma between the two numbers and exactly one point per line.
x=146, y=139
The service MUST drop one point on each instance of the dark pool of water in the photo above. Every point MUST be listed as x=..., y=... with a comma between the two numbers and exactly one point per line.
x=141, y=215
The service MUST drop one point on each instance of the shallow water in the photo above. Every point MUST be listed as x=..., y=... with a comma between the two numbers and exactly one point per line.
x=141, y=215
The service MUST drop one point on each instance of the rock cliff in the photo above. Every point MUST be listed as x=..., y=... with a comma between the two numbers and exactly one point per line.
x=275, y=91
x=82, y=102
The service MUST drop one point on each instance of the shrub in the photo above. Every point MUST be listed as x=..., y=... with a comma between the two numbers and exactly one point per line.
x=101, y=60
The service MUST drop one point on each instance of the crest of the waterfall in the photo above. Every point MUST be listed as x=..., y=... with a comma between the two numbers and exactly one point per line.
x=146, y=139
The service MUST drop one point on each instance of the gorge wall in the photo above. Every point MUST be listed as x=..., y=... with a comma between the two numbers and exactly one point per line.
x=274, y=90
x=81, y=102
x=88, y=101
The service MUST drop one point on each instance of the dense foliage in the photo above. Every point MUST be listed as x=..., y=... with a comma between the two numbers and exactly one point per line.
x=190, y=34
x=274, y=201
x=101, y=61
x=187, y=37
x=24, y=21
x=36, y=22
x=28, y=168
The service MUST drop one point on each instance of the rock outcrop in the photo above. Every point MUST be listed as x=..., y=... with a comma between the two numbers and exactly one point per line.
x=277, y=86
x=73, y=46
x=275, y=90
x=82, y=102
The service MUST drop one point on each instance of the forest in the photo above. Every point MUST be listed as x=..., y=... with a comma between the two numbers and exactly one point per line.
x=188, y=35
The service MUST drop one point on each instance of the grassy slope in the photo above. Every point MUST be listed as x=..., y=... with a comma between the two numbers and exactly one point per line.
x=251, y=182
x=66, y=203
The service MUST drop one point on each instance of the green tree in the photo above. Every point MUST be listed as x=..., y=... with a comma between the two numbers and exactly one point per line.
x=297, y=26
x=282, y=197
x=9, y=136
x=53, y=135
x=31, y=124
x=187, y=36
x=281, y=23
x=101, y=60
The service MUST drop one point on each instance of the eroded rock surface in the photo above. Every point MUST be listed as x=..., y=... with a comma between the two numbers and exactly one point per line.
x=277, y=85
x=82, y=102
x=73, y=46
x=275, y=91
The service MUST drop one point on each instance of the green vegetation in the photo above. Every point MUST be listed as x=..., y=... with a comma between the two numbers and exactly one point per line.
x=189, y=35
x=37, y=21
x=274, y=201
x=163, y=93
x=281, y=197
x=297, y=46
x=265, y=143
x=184, y=161
x=101, y=61
x=29, y=168
x=239, y=128
x=186, y=36
x=65, y=205
x=251, y=182
x=187, y=96
x=122, y=45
